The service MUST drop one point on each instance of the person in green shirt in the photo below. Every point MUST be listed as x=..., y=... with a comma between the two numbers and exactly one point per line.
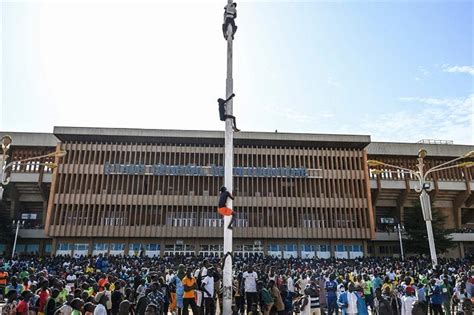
x=24, y=274
x=265, y=298
x=368, y=292
x=63, y=292
x=447, y=293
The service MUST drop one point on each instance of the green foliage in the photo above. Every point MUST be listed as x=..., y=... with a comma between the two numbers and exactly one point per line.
x=417, y=237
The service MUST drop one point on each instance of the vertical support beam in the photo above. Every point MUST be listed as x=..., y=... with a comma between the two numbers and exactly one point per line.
x=370, y=206
x=52, y=192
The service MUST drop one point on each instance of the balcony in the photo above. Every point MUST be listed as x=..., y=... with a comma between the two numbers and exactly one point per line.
x=32, y=233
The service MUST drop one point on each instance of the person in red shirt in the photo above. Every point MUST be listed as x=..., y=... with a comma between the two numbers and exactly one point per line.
x=23, y=305
x=102, y=282
x=43, y=297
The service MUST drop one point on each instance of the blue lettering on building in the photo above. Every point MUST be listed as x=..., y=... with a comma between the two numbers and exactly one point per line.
x=193, y=170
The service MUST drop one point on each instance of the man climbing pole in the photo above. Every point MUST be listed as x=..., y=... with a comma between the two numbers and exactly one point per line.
x=223, y=209
x=230, y=14
x=223, y=112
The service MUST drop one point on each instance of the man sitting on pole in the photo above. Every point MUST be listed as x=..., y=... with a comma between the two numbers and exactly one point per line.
x=223, y=209
x=230, y=14
x=223, y=112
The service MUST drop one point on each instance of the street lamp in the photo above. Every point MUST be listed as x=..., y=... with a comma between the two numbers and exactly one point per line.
x=424, y=186
x=18, y=223
x=5, y=165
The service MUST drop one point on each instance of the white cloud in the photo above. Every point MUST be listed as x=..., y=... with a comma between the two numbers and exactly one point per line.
x=333, y=82
x=429, y=118
x=459, y=69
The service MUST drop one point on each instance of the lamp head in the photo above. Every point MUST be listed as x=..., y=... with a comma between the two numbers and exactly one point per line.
x=376, y=172
x=60, y=153
x=6, y=142
x=469, y=154
x=374, y=163
x=422, y=153
x=465, y=164
x=51, y=165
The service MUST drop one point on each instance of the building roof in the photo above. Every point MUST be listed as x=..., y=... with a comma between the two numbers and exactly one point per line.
x=31, y=139
x=209, y=137
x=411, y=149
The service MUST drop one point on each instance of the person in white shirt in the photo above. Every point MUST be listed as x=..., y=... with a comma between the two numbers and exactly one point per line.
x=348, y=301
x=290, y=284
x=70, y=281
x=302, y=283
x=101, y=298
x=250, y=285
x=169, y=276
x=207, y=286
x=408, y=300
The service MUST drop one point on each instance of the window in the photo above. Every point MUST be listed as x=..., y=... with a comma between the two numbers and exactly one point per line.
x=290, y=248
x=340, y=248
x=324, y=248
x=101, y=246
x=307, y=248
x=273, y=248
x=48, y=248
x=153, y=247
x=20, y=248
x=81, y=246
x=135, y=247
x=64, y=246
x=117, y=246
x=32, y=248
x=2, y=248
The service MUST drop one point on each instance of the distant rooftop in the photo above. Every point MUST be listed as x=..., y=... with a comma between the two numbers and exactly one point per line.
x=435, y=141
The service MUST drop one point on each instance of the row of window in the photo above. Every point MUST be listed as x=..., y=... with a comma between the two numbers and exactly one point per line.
x=205, y=186
x=134, y=247
x=189, y=216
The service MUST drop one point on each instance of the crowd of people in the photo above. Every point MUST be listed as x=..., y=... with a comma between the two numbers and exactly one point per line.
x=115, y=285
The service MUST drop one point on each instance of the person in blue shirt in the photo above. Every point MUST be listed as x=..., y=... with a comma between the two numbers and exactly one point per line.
x=349, y=301
x=376, y=282
x=436, y=298
x=331, y=295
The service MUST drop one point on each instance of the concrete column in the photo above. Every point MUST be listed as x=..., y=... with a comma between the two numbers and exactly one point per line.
x=45, y=209
x=126, y=244
x=461, y=249
x=54, y=246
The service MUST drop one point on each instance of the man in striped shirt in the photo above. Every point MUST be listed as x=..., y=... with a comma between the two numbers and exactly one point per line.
x=313, y=292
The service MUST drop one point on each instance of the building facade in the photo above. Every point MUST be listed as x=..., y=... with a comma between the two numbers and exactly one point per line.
x=124, y=191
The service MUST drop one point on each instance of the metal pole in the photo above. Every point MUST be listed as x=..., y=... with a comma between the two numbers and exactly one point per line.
x=2, y=172
x=16, y=237
x=401, y=242
x=426, y=205
x=427, y=216
x=228, y=182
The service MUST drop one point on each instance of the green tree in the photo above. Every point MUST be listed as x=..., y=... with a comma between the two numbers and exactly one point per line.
x=417, y=237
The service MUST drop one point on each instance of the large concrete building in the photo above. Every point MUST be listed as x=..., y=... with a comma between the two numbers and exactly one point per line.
x=120, y=191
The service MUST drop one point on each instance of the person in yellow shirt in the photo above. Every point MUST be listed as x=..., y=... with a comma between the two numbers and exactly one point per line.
x=189, y=284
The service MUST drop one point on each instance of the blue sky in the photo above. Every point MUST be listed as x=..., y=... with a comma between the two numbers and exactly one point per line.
x=396, y=70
